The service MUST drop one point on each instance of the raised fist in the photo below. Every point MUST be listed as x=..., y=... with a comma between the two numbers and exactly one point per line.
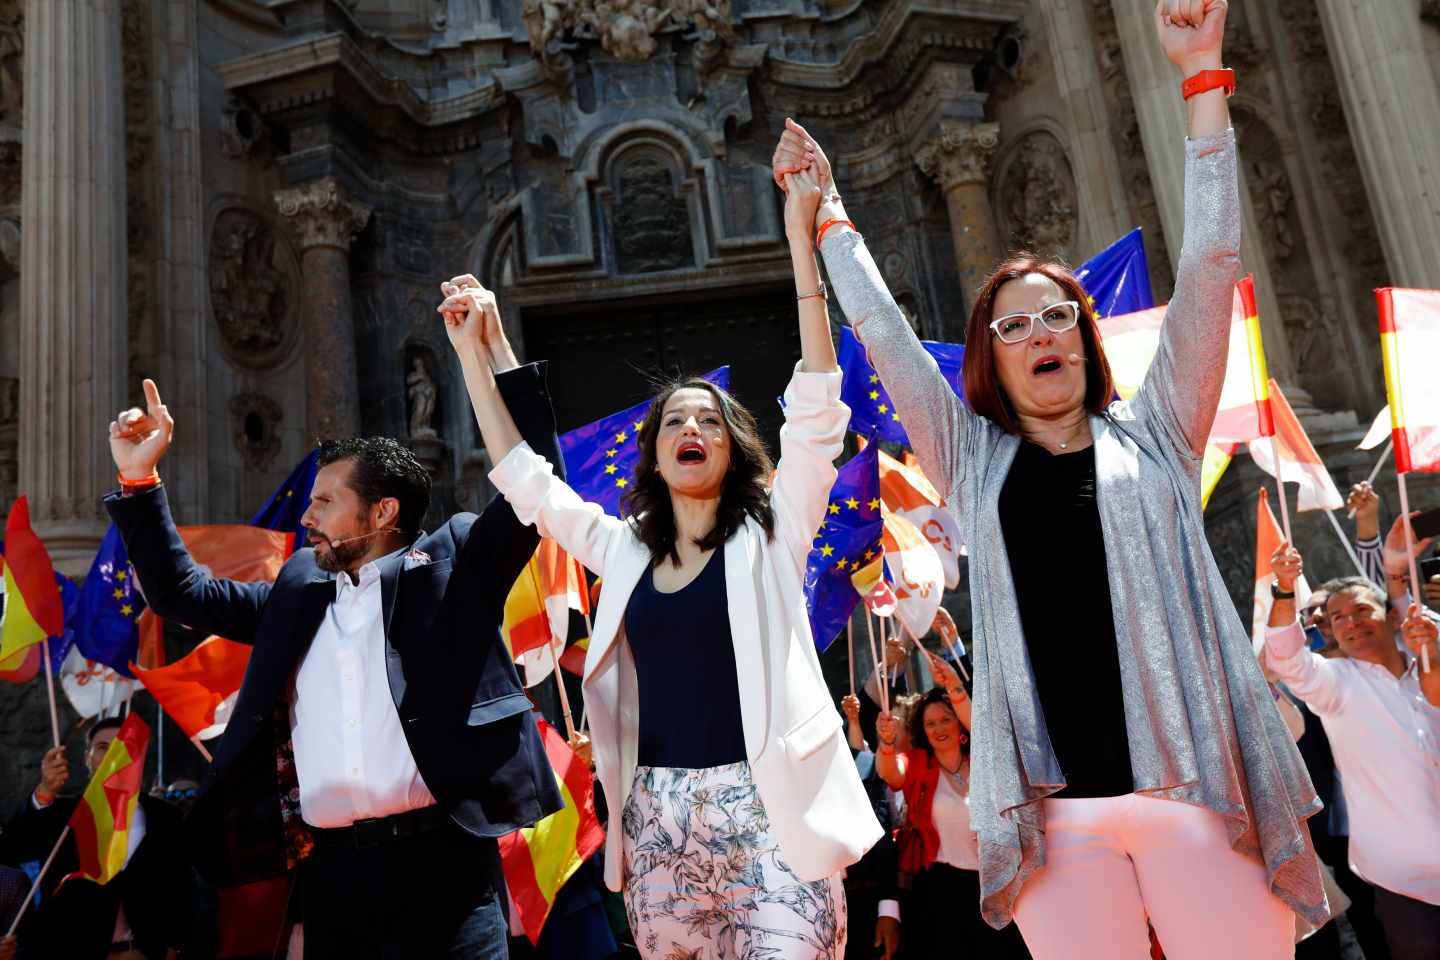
x=1191, y=33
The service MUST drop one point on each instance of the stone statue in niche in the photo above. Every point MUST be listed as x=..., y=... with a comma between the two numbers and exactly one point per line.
x=249, y=292
x=625, y=28
x=1037, y=196
x=421, y=390
x=651, y=222
x=1273, y=196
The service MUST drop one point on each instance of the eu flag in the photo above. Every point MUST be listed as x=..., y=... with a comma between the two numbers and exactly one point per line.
x=69, y=599
x=600, y=457
x=1118, y=278
x=110, y=603
x=290, y=500
x=848, y=537
x=871, y=411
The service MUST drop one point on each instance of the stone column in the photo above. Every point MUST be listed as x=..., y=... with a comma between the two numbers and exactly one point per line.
x=1104, y=208
x=73, y=321
x=958, y=157
x=326, y=220
x=1155, y=84
x=1392, y=101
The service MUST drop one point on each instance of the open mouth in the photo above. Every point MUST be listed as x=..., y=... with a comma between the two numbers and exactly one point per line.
x=1050, y=364
x=690, y=453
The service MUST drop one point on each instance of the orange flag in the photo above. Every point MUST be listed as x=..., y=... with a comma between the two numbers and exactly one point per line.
x=905, y=490
x=199, y=689
x=108, y=821
x=232, y=551
x=1299, y=463
x=538, y=860
x=537, y=612
x=33, y=610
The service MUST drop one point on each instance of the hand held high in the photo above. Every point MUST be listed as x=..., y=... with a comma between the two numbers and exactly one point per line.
x=138, y=439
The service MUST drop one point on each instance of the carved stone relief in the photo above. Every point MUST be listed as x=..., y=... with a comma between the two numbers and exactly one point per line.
x=1035, y=196
x=626, y=29
x=1273, y=196
x=253, y=280
x=651, y=220
x=12, y=68
x=959, y=153
x=254, y=423
x=241, y=129
x=135, y=44
x=322, y=213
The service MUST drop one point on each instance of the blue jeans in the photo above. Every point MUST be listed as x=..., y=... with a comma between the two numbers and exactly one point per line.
x=432, y=895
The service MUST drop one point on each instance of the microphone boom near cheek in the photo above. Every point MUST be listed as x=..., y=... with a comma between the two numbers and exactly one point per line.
x=1076, y=359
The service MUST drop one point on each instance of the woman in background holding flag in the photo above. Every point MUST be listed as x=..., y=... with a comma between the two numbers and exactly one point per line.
x=1129, y=761
x=734, y=803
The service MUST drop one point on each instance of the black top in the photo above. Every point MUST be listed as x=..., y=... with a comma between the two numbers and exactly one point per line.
x=1051, y=523
x=685, y=667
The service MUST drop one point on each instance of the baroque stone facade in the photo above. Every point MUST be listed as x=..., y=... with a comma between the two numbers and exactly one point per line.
x=284, y=183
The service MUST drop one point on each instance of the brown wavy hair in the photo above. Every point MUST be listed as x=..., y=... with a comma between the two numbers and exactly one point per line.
x=983, y=392
x=746, y=491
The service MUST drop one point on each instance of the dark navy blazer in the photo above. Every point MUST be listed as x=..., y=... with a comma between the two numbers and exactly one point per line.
x=465, y=715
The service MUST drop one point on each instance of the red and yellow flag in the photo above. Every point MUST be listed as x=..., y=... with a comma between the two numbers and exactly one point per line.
x=198, y=689
x=1299, y=462
x=108, y=822
x=33, y=610
x=1410, y=345
x=526, y=625
x=538, y=860
x=233, y=551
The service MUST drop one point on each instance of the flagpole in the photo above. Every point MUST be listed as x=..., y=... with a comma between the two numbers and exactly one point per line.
x=201, y=747
x=159, y=744
x=1280, y=485
x=1384, y=455
x=884, y=665
x=564, y=697
x=30, y=897
x=879, y=678
x=1345, y=542
x=1415, y=593
x=850, y=645
x=50, y=689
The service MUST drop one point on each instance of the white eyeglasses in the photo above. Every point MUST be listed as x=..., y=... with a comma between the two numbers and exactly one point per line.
x=1017, y=327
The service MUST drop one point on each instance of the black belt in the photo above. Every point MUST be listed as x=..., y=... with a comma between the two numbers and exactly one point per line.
x=379, y=831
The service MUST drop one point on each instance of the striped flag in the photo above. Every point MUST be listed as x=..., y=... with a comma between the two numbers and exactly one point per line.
x=538, y=860
x=1268, y=537
x=905, y=491
x=1410, y=345
x=551, y=585
x=108, y=822
x=1379, y=430
x=1299, y=463
x=33, y=609
x=915, y=571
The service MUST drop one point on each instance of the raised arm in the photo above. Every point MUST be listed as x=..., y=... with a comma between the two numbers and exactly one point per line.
x=1182, y=387
x=1310, y=676
x=928, y=406
x=889, y=763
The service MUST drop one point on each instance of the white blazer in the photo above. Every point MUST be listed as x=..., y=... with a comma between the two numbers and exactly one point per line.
x=801, y=765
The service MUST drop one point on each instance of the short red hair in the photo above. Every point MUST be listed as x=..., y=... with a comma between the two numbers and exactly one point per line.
x=983, y=393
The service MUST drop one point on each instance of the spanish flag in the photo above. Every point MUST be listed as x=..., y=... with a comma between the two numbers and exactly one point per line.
x=33, y=610
x=526, y=625
x=538, y=860
x=200, y=688
x=108, y=822
x=1410, y=345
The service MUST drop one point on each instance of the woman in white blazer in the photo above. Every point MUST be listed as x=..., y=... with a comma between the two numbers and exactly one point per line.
x=734, y=803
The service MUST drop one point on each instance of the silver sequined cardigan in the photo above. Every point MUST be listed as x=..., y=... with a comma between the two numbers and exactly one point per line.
x=1203, y=728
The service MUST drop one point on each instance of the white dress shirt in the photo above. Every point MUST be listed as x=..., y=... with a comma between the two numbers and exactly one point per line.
x=1386, y=739
x=351, y=756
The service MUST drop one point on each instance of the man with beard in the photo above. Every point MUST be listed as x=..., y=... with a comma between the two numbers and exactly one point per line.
x=381, y=739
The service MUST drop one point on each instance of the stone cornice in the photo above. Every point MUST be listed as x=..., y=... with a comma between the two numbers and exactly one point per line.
x=957, y=153
x=322, y=214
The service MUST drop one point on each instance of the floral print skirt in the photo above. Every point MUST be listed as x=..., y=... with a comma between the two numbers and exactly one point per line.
x=704, y=879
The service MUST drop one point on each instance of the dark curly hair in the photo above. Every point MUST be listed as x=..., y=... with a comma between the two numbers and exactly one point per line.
x=382, y=468
x=918, y=740
x=745, y=493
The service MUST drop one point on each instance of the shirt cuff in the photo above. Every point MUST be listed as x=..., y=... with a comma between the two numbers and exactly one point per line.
x=1367, y=543
x=1285, y=642
x=889, y=908
x=35, y=802
x=505, y=474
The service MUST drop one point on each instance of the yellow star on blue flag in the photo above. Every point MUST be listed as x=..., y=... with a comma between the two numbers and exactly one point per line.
x=849, y=533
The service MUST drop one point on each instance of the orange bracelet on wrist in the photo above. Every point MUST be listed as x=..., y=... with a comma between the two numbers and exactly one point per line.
x=833, y=221
x=136, y=486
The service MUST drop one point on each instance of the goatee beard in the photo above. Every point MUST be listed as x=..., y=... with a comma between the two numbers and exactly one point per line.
x=340, y=559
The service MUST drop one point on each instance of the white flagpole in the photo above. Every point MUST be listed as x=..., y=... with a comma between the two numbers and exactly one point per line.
x=159, y=744
x=879, y=665
x=1280, y=485
x=1345, y=541
x=201, y=747
x=1384, y=455
x=850, y=645
x=30, y=897
x=1415, y=593
x=50, y=689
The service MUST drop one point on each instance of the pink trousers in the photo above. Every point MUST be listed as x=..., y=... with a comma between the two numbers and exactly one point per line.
x=1110, y=863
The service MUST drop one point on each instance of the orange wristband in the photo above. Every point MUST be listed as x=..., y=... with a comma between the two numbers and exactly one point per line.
x=820, y=234
x=1209, y=80
x=136, y=486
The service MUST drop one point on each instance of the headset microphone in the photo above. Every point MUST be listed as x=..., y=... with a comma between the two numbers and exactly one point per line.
x=1076, y=359
x=334, y=544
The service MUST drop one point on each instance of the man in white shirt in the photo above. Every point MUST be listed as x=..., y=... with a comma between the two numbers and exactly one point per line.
x=1379, y=713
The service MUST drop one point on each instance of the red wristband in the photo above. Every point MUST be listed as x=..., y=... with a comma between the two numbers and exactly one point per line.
x=820, y=234
x=1207, y=80
x=138, y=486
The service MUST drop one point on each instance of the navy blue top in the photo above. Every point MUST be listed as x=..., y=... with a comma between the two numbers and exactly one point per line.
x=685, y=666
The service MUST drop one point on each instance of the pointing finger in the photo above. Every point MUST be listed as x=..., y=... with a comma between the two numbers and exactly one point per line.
x=152, y=395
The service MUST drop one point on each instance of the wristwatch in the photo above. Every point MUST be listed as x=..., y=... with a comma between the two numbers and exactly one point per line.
x=1277, y=594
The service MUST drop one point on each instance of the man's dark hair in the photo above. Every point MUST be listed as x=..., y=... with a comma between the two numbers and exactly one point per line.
x=382, y=468
x=109, y=723
x=1366, y=588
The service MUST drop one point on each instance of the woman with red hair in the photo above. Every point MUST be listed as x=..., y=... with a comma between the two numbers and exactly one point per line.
x=1128, y=759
